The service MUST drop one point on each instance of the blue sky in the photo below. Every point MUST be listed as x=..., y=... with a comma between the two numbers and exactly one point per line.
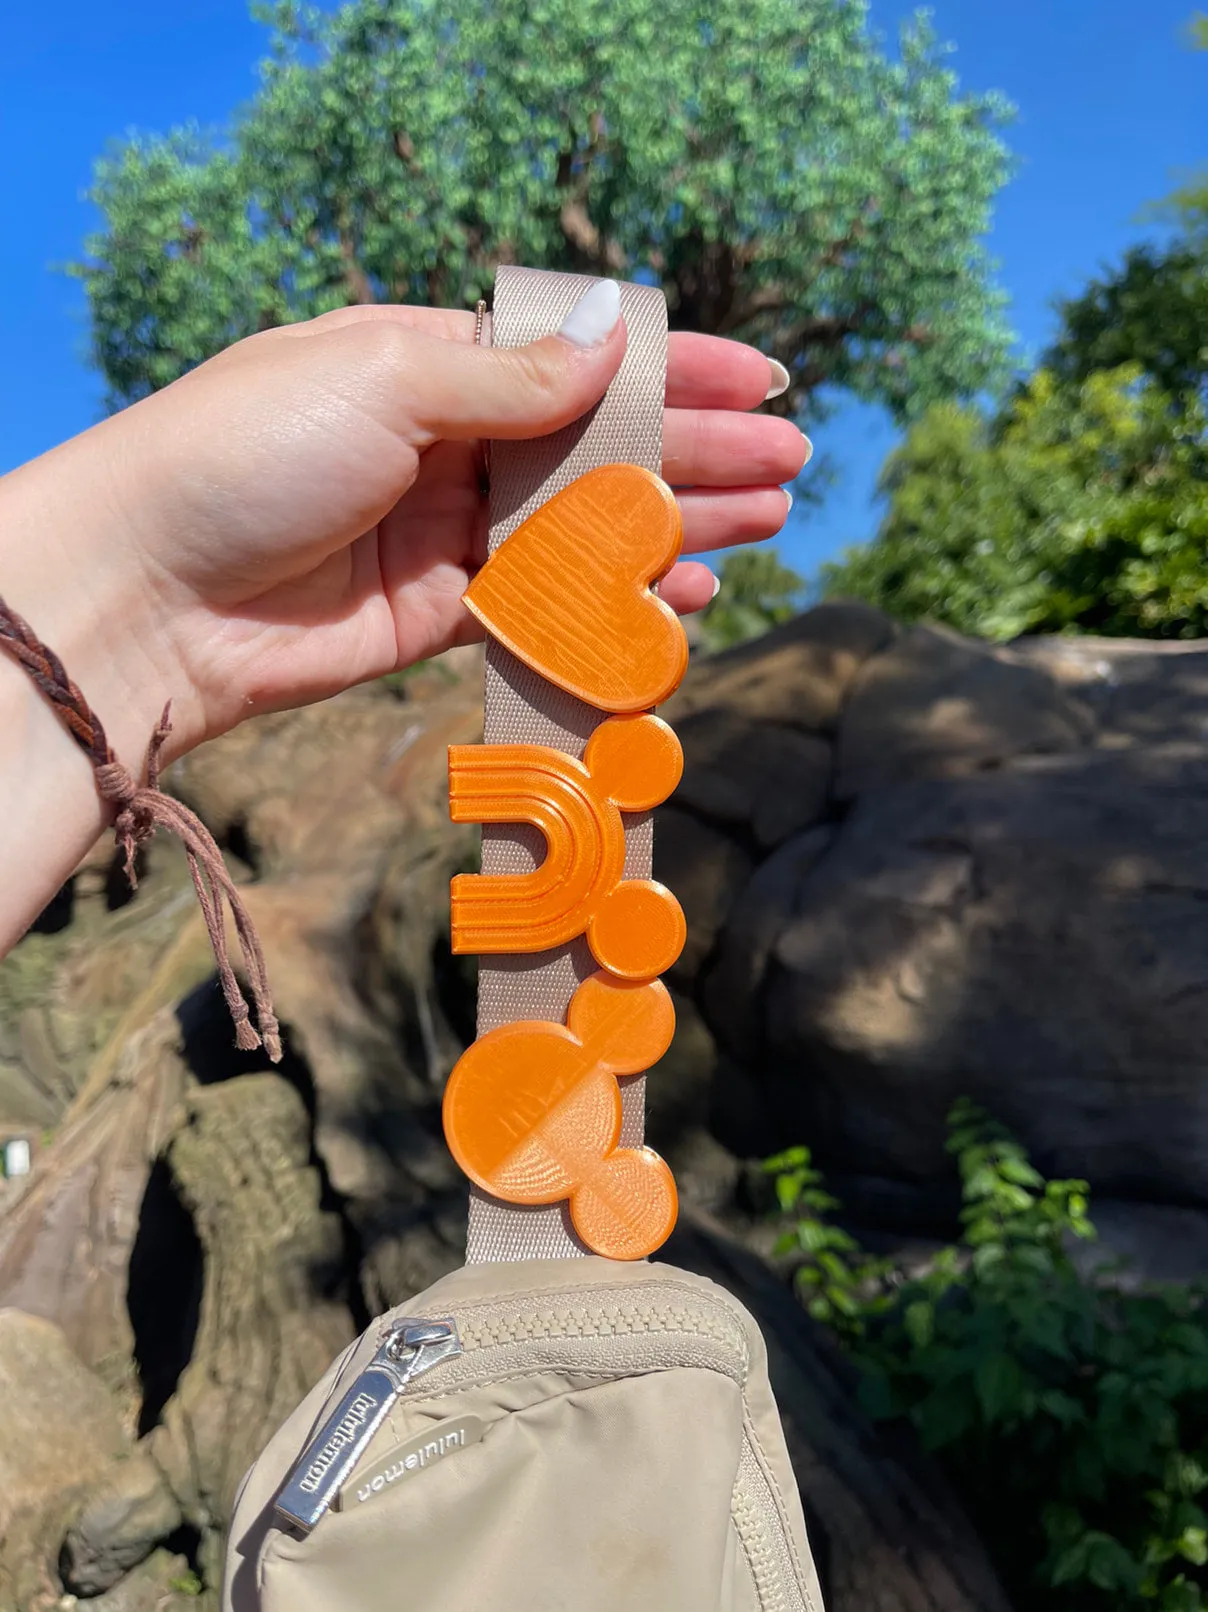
x=1109, y=105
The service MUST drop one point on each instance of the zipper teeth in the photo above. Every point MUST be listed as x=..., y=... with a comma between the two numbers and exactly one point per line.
x=763, y=1533
x=493, y=1326
x=490, y=1334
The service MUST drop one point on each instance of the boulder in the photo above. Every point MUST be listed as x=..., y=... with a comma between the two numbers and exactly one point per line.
x=706, y=869
x=731, y=988
x=798, y=675
x=933, y=702
x=763, y=780
x=62, y=1430
x=124, y=1518
x=1141, y=1243
x=1035, y=939
x=163, y=1583
x=1142, y=692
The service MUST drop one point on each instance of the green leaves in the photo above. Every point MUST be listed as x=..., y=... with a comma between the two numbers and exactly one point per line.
x=1080, y=508
x=838, y=1283
x=1072, y=1416
x=1153, y=312
x=762, y=159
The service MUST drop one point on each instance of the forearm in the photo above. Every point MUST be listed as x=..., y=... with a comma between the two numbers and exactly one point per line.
x=64, y=568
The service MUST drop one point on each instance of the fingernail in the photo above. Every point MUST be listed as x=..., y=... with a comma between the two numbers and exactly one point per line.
x=593, y=316
x=809, y=448
x=780, y=380
x=789, y=499
x=716, y=587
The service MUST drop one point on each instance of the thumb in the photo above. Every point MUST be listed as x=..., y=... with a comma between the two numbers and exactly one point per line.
x=436, y=389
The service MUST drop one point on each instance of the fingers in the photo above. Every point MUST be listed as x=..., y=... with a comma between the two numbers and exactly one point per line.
x=709, y=372
x=687, y=587
x=703, y=448
x=715, y=518
x=703, y=372
x=426, y=387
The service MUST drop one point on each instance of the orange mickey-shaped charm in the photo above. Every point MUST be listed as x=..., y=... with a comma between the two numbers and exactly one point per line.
x=569, y=592
x=532, y=1113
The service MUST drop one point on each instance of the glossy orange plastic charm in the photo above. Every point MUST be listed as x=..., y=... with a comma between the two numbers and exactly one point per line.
x=569, y=591
x=532, y=1114
x=635, y=927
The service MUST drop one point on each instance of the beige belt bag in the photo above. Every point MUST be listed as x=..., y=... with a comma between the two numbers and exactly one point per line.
x=544, y=1430
x=590, y=1437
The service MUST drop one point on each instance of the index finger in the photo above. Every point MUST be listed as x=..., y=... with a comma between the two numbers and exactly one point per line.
x=709, y=372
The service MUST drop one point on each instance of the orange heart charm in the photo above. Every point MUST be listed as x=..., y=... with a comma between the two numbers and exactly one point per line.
x=569, y=593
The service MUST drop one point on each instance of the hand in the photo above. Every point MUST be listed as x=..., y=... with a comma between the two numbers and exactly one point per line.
x=302, y=513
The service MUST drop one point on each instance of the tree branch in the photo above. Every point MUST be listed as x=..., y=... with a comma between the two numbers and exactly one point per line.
x=573, y=218
x=404, y=150
x=586, y=239
x=356, y=282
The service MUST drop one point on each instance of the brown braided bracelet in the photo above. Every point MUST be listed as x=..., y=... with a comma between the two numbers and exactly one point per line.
x=140, y=811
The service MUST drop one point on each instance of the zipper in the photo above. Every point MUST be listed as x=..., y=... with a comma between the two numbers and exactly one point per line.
x=410, y=1348
x=763, y=1534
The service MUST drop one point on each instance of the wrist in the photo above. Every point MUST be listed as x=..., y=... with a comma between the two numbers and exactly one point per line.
x=64, y=568
x=68, y=566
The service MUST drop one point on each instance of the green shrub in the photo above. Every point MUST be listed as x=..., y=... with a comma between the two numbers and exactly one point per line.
x=1071, y=1415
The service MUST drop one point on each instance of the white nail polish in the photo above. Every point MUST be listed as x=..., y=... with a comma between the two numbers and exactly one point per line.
x=593, y=316
x=780, y=380
x=716, y=587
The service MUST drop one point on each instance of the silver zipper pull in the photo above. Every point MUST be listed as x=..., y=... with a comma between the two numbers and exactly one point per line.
x=410, y=1348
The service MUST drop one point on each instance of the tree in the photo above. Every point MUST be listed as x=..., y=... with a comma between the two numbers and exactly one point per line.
x=757, y=592
x=763, y=160
x=1082, y=504
x=1153, y=311
x=1080, y=508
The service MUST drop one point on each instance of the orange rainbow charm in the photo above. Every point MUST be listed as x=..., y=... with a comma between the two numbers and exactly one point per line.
x=635, y=927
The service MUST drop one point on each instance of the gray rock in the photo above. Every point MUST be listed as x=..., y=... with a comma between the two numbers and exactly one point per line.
x=126, y=1516
x=1143, y=1242
x=61, y=1431
x=677, y=1087
x=732, y=985
x=798, y=674
x=1142, y=692
x=706, y=870
x=934, y=702
x=761, y=778
x=163, y=1583
x=1036, y=939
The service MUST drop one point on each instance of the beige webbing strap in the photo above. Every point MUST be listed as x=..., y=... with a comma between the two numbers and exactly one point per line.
x=522, y=708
